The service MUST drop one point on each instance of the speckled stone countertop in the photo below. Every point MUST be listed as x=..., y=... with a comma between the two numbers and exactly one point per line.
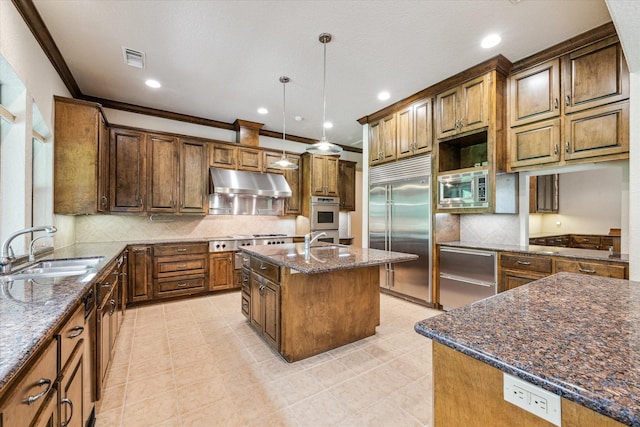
x=577, y=336
x=323, y=258
x=30, y=312
x=544, y=250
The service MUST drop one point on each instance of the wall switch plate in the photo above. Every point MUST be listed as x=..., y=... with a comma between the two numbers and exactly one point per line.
x=533, y=399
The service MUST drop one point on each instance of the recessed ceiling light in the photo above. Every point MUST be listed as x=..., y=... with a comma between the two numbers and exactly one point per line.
x=153, y=83
x=263, y=110
x=383, y=96
x=490, y=41
x=328, y=125
x=298, y=118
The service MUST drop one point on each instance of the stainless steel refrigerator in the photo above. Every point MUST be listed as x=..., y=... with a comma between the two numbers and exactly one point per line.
x=400, y=221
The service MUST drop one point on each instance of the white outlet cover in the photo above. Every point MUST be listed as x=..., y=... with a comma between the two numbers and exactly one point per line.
x=536, y=400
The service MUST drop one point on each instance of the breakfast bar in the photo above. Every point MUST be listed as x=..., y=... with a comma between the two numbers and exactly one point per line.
x=307, y=301
x=572, y=335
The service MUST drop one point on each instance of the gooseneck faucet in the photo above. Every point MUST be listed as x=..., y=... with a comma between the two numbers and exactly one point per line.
x=7, y=259
x=308, y=240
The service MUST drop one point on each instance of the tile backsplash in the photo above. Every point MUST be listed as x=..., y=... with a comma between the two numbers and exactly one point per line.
x=107, y=228
x=498, y=229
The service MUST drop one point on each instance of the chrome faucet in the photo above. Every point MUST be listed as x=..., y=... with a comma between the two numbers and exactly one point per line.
x=32, y=247
x=308, y=240
x=7, y=258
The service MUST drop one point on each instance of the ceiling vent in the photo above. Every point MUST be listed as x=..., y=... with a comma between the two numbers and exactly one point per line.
x=134, y=58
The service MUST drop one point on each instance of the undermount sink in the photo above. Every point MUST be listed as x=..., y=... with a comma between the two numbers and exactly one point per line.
x=57, y=268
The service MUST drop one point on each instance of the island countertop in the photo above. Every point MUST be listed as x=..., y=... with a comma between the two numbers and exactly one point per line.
x=574, y=335
x=325, y=257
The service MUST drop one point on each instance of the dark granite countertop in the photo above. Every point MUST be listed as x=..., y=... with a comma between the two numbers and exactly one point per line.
x=577, y=336
x=323, y=258
x=544, y=250
x=31, y=312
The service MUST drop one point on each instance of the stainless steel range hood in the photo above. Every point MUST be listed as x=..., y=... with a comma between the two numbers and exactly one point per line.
x=247, y=193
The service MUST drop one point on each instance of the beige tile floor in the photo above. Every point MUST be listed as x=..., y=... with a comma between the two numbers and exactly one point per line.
x=197, y=362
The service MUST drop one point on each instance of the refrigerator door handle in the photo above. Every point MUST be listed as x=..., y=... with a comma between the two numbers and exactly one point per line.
x=391, y=276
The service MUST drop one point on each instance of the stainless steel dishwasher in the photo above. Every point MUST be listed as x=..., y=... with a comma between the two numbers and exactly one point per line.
x=466, y=276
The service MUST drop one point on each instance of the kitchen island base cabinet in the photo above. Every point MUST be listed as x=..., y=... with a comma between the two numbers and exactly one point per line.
x=468, y=392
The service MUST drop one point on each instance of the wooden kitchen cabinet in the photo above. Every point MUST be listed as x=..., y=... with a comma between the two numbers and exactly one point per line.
x=382, y=140
x=222, y=156
x=245, y=284
x=249, y=159
x=180, y=269
x=293, y=205
x=71, y=386
x=591, y=267
x=162, y=155
x=265, y=309
x=321, y=173
x=221, y=273
x=534, y=93
x=347, y=185
x=193, y=181
x=544, y=193
x=415, y=129
x=464, y=108
x=535, y=144
x=81, y=158
x=140, y=270
x=518, y=269
x=584, y=242
x=128, y=171
x=48, y=416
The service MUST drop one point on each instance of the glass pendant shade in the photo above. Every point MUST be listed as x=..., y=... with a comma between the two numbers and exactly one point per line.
x=283, y=163
x=324, y=147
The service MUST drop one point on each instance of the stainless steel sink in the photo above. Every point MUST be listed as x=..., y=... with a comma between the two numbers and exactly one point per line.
x=68, y=263
x=57, y=268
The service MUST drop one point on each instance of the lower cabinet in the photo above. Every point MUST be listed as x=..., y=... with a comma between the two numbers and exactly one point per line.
x=265, y=308
x=108, y=318
x=516, y=270
x=139, y=273
x=591, y=267
x=221, y=274
x=180, y=269
x=49, y=414
x=71, y=387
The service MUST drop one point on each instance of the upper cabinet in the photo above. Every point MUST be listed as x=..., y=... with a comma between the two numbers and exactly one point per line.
x=128, y=171
x=162, y=194
x=404, y=133
x=222, y=155
x=571, y=109
x=464, y=108
x=193, y=181
x=322, y=174
x=347, y=185
x=81, y=158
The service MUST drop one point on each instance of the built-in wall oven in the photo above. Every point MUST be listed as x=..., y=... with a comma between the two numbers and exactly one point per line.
x=324, y=213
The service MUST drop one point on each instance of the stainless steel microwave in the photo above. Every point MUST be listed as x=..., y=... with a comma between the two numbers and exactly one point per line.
x=464, y=190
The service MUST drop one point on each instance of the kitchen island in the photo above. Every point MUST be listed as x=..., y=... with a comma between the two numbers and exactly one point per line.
x=575, y=336
x=307, y=302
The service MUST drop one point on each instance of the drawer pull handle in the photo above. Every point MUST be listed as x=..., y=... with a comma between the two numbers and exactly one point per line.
x=181, y=285
x=113, y=307
x=70, y=403
x=585, y=271
x=182, y=266
x=262, y=267
x=524, y=263
x=77, y=331
x=31, y=399
x=245, y=279
x=181, y=250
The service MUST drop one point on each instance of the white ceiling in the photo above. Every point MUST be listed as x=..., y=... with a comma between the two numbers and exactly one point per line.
x=221, y=60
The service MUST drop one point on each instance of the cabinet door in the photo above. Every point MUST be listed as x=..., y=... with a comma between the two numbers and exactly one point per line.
x=534, y=93
x=544, y=194
x=128, y=171
x=595, y=75
x=600, y=131
x=220, y=271
x=447, y=113
x=535, y=144
x=293, y=205
x=49, y=414
x=163, y=174
x=257, y=311
x=474, y=98
x=510, y=279
x=139, y=273
x=331, y=176
x=318, y=184
x=405, y=133
x=270, y=157
x=271, y=310
x=388, y=142
x=249, y=159
x=423, y=127
x=375, y=148
x=347, y=184
x=193, y=178
x=222, y=156
x=72, y=384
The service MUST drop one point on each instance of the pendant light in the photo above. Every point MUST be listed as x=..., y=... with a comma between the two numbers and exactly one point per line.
x=284, y=163
x=324, y=147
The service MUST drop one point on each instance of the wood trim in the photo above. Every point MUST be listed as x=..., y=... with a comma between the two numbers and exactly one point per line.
x=6, y=114
x=34, y=21
x=498, y=63
x=567, y=46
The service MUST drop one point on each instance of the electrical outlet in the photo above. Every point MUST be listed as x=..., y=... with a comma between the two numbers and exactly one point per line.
x=533, y=399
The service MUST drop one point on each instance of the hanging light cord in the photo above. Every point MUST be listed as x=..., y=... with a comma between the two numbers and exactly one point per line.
x=324, y=87
x=284, y=81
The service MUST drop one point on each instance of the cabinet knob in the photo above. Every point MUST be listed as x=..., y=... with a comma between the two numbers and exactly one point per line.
x=567, y=100
x=555, y=149
x=566, y=147
x=555, y=103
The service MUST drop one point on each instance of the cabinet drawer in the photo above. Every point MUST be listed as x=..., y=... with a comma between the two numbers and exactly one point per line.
x=34, y=386
x=246, y=304
x=244, y=281
x=593, y=268
x=266, y=269
x=526, y=262
x=585, y=242
x=70, y=334
x=171, y=287
x=562, y=241
x=180, y=249
x=188, y=266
